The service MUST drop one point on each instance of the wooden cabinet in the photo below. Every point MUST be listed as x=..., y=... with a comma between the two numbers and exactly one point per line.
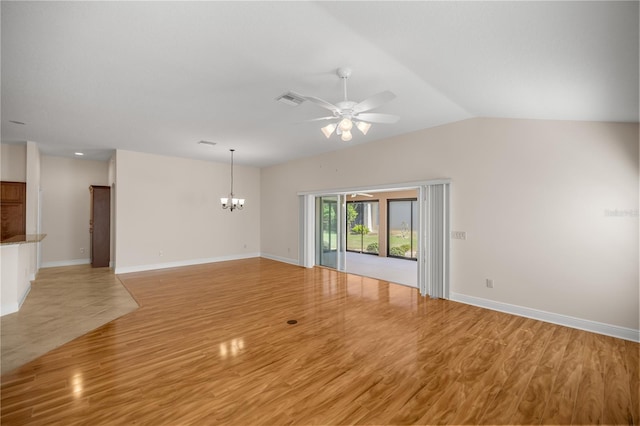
x=13, y=207
x=100, y=225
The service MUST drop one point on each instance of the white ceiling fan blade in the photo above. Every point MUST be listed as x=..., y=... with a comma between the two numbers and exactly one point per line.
x=373, y=117
x=322, y=119
x=374, y=101
x=322, y=103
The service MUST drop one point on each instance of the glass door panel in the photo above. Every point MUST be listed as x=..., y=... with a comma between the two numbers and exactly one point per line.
x=327, y=231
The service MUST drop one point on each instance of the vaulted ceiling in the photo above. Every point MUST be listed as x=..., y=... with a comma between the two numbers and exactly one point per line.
x=160, y=76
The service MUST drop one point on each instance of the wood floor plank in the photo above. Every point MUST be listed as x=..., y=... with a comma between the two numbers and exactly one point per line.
x=560, y=405
x=210, y=344
x=534, y=400
x=503, y=406
x=618, y=408
x=632, y=357
x=488, y=386
x=590, y=395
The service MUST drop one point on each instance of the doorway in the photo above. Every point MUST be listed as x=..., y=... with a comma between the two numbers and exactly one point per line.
x=325, y=222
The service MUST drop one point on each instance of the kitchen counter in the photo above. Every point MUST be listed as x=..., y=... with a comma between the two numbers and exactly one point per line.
x=19, y=267
x=23, y=239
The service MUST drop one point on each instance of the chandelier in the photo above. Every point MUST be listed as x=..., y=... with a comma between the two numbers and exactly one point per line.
x=236, y=203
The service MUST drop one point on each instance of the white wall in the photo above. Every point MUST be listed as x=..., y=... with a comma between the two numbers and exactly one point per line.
x=168, y=212
x=13, y=166
x=18, y=270
x=66, y=208
x=531, y=195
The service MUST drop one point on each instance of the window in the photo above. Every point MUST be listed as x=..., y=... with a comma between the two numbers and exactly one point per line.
x=402, y=230
x=363, y=220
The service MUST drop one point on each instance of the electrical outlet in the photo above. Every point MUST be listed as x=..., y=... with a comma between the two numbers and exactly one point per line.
x=81, y=250
x=489, y=283
x=458, y=235
x=160, y=253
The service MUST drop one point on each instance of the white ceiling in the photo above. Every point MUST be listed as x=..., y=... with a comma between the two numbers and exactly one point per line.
x=160, y=76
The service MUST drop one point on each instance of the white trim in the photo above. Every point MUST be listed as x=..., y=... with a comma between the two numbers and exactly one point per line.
x=8, y=308
x=567, y=321
x=190, y=262
x=282, y=259
x=25, y=294
x=377, y=188
x=71, y=262
x=307, y=231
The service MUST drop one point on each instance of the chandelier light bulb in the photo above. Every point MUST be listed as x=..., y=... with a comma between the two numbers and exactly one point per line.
x=346, y=125
x=328, y=130
x=363, y=127
x=346, y=136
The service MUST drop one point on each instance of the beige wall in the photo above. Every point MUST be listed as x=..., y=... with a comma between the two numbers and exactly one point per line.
x=33, y=188
x=114, y=224
x=532, y=196
x=13, y=167
x=168, y=212
x=66, y=207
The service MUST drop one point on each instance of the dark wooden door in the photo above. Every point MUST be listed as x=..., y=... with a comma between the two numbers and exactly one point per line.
x=100, y=225
x=13, y=204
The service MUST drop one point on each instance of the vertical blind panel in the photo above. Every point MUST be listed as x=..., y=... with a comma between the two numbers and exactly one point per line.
x=437, y=240
x=423, y=241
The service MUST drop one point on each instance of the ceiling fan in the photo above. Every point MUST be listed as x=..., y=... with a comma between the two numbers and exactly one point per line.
x=347, y=113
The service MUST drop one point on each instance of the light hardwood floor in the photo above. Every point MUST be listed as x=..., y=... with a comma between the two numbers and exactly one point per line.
x=210, y=344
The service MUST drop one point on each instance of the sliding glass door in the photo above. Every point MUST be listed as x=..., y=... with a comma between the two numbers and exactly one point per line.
x=329, y=231
x=426, y=231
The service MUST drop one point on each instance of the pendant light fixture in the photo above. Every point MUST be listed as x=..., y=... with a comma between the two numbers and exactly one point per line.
x=236, y=203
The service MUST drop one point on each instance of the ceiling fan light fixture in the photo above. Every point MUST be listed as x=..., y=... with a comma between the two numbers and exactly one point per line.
x=346, y=124
x=363, y=127
x=349, y=113
x=329, y=129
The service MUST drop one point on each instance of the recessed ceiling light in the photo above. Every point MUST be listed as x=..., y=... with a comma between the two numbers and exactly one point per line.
x=17, y=122
x=207, y=143
x=79, y=154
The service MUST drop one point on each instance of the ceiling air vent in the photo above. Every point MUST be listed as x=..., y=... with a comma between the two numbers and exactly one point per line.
x=207, y=143
x=291, y=98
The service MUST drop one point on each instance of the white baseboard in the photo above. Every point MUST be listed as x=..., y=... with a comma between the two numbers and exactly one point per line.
x=190, y=262
x=71, y=262
x=565, y=320
x=281, y=259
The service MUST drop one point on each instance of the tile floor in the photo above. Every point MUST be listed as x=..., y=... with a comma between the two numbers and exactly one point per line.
x=399, y=271
x=64, y=303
